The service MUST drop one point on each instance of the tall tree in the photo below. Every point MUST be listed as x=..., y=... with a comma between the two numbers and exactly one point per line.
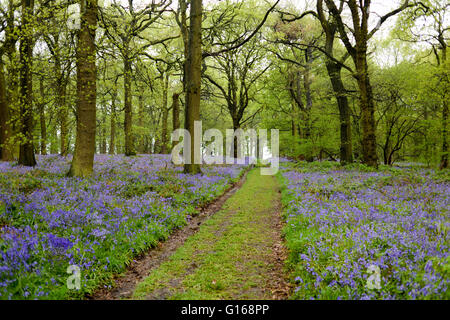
x=334, y=68
x=8, y=79
x=5, y=128
x=193, y=82
x=83, y=159
x=175, y=112
x=26, y=153
x=357, y=49
x=112, y=119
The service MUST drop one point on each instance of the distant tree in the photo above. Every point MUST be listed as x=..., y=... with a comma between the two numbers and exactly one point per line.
x=124, y=27
x=60, y=44
x=241, y=69
x=428, y=23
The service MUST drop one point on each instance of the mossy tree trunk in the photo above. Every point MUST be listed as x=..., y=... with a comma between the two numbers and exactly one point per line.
x=334, y=68
x=26, y=152
x=5, y=128
x=445, y=113
x=165, y=114
x=42, y=122
x=128, y=120
x=193, y=81
x=83, y=160
x=112, y=137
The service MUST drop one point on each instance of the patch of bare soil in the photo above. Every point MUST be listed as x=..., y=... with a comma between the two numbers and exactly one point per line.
x=278, y=285
x=145, y=263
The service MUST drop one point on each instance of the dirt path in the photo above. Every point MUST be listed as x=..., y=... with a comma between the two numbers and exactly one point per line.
x=237, y=253
x=144, y=264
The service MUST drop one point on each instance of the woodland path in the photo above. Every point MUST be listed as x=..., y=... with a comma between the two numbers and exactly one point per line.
x=235, y=251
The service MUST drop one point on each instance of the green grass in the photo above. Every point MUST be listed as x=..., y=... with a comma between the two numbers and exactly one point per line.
x=228, y=256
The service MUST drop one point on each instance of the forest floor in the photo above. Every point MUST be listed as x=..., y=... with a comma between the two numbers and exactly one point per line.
x=236, y=253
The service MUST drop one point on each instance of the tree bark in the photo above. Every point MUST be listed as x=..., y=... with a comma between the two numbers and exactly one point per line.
x=176, y=111
x=445, y=144
x=334, y=73
x=12, y=87
x=112, y=141
x=165, y=115
x=140, y=123
x=61, y=90
x=360, y=13
x=193, y=81
x=334, y=69
x=294, y=120
x=5, y=128
x=42, y=122
x=367, y=121
x=175, y=114
x=26, y=152
x=63, y=115
x=103, y=132
x=236, y=127
x=129, y=145
x=83, y=160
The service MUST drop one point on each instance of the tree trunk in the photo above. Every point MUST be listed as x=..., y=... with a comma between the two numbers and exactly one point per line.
x=445, y=146
x=175, y=114
x=129, y=146
x=386, y=152
x=165, y=115
x=11, y=37
x=112, y=137
x=140, y=123
x=42, y=122
x=5, y=129
x=369, y=149
x=234, y=146
x=294, y=117
x=26, y=153
x=360, y=13
x=83, y=160
x=61, y=88
x=367, y=104
x=334, y=72
x=103, y=132
x=193, y=83
x=63, y=115
x=176, y=111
